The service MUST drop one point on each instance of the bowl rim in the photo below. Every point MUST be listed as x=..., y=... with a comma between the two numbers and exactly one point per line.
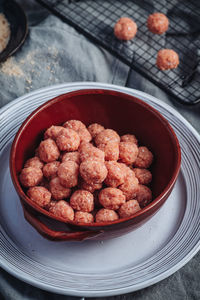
x=95, y=91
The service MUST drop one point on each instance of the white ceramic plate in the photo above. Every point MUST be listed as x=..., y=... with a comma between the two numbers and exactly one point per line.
x=136, y=260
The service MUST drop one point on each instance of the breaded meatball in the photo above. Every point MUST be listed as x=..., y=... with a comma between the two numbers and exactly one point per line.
x=129, y=208
x=34, y=162
x=57, y=190
x=50, y=205
x=80, y=128
x=73, y=156
x=129, y=138
x=167, y=59
x=75, y=125
x=90, y=187
x=53, y=132
x=144, y=195
x=68, y=140
x=94, y=129
x=83, y=217
x=84, y=135
x=111, y=198
x=30, y=176
x=48, y=151
x=130, y=185
x=115, y=175
x=40, y=195
x=125, y=29
x=82, y=200
x=62, y=209
x=93, y=171
x=111, y=150
x=157, y=23
x=87, y=150
x=68, y=173
x=106, y=136
x=144, y=158
x=126, y=170
x=144, y=176
x=128, y=152
x=106, y=215
x=50, y=169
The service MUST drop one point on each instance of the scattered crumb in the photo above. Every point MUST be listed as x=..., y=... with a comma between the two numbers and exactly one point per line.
x=28, y=67
x=4, y=32
x=11, y=68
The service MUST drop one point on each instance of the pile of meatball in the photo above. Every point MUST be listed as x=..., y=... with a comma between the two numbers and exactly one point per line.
x=157, y=23
x=89, y=174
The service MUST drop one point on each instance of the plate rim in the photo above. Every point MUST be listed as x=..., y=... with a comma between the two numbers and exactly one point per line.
x=110, y=292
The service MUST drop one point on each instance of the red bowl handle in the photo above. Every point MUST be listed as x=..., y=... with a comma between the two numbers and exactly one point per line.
x=58, y=235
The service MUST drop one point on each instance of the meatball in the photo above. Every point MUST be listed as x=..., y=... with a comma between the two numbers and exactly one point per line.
x=62, y=209
x=144, y=158
x=130, y=185
x=129, y=138
x=57, y=190
x=115, y=175
x=34, y=162
x=84, y=135
x=30, y=176
x=126, y=170
x=83, y=217
x=167, y=59
x=68, y=173
x=144, y=176
x=90, y=187
x=80, y=128
x=106, y=215
x=157, y=23
x=125, y=29
x=68, y=140
x=129, y=208
x=87, y=150
x=93, y=171
x=107, y=135
x=50, y=205
x=75, y=125
x=111, y=150
x=73, y=156
x=48, y=151
x=40, y=195
x=128, y=152
x=50, y=169
x=143, y=195
x=82, y=200
x=111, y=198
x=53, y=132
x=94, y=129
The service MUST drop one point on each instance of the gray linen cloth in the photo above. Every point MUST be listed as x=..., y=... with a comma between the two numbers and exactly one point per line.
x=55, y=53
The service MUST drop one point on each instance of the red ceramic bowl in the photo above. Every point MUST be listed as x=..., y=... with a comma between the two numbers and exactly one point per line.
x=121, y=112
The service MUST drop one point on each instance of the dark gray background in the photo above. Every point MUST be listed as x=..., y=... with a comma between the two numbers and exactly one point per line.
x=55, y=53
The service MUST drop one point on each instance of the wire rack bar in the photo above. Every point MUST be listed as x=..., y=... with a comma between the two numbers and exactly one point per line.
x=96, y=19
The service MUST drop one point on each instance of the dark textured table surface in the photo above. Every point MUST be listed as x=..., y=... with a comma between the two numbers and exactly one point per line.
x=56, y=53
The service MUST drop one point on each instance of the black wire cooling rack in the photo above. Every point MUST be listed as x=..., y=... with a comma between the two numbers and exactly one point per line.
x=96, y=20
